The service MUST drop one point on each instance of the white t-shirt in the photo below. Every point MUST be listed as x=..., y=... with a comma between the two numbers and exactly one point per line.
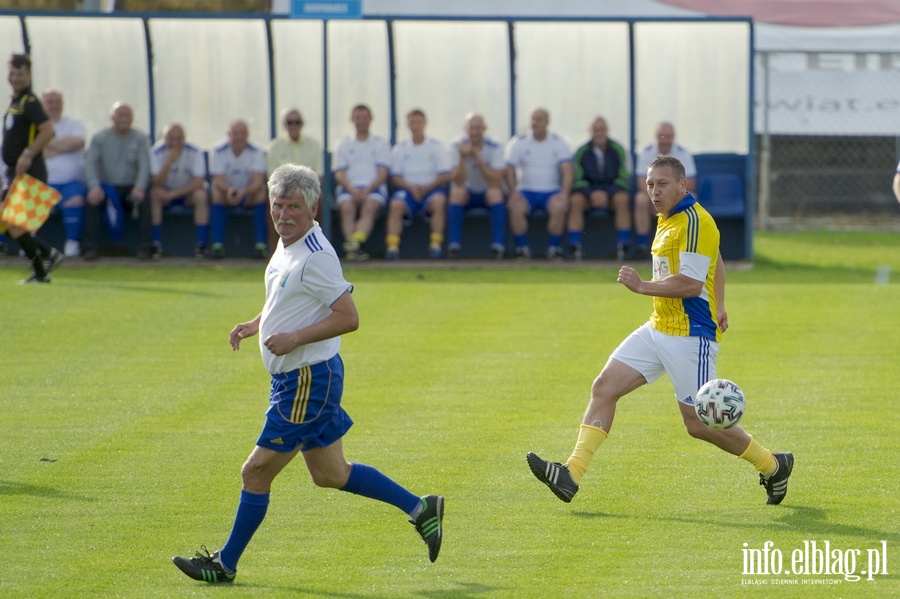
x=302, y=280
x=538, y=161
x=651, y=151
x=237, y=169
x=189, y=165
x=361, y=159
x=68, y=167
x=491, y=153
x=420, y=164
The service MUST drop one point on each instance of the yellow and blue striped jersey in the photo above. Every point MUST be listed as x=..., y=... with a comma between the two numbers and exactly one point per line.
x=688, y=232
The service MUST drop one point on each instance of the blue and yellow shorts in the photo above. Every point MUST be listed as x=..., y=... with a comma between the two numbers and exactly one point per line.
x=305, y=408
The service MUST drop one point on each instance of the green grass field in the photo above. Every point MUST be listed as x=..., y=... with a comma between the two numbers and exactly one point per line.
x=126, y=418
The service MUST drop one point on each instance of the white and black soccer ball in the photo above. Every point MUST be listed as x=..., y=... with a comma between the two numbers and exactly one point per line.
x=720, y=404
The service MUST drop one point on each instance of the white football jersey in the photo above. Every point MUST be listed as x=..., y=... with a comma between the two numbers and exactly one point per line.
x=491, y=153
x=237, y=169
x=420, y=164
x=64, y=168
x=361, y=159
x=538, y=161
x=189, y=165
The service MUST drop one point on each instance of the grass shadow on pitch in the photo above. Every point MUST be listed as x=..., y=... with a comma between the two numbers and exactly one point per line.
x=460, y=590
x=8, y=487
x=815, y=520
x=812, y=520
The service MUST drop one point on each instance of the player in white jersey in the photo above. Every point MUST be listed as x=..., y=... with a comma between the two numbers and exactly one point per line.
x=308, y=307
x=644, y=213
x=238, y=168
x=361, y=167
x=64, y=155
x=420, y=170
x=178, y=176
x=477, y=162
x=896, y=183
x=539, y=177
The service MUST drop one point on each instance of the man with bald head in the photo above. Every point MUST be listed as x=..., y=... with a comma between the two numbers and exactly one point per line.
x=64, y=155
x=539, y=177
x=644, y=213
x=178, y=176
x=475, y=182
x=602, y=182
x=117, y=170
x=238, y=168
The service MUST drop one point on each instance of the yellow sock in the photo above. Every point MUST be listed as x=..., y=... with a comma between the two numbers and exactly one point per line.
x=436, y=239
x=360, y=236
x=589, y=440
x=393, y=242
x=761, y=458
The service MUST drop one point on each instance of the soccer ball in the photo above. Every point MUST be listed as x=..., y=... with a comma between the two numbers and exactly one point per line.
x=720, y=404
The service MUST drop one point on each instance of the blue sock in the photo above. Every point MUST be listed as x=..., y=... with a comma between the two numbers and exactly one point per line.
x=575, y=238
x=157, y=233
x=454, y=222
x=369, y=482
x=260, y=215
x=522, y=240
x=218, y=213
x=498, y=223
x=643, y=240
x=623, y=236
x=250, y=514
x=73, y=221
x=202, y=233
x=554, y=240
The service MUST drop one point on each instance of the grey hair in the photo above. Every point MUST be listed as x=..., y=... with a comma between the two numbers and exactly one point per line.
x=288, y=179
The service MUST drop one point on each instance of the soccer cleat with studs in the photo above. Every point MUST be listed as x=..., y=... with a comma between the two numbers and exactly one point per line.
x=554, y=475
x=34, y=278
x=205, y=567
x=776, y=485
x=429, y=524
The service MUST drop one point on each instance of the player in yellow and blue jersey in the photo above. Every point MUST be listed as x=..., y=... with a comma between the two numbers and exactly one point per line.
x=681, y=339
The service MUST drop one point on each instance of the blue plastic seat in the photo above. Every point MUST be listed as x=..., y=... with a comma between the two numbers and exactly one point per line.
x=722, y=194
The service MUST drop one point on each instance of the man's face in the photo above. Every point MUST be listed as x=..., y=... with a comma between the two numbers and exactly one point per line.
x=599, y=133
x=122, y=118
x=664, y=189
x=539, y=122
x=665, y=136
x=19, y=78
x=238, y=135
x=361, y=118
x=53, y=105
x=175, y=138
x=292, y=217
x=475, y=128
x=416, y=124
x=293, y=124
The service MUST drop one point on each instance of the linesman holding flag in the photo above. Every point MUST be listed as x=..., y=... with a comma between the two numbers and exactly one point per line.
x=26, y=130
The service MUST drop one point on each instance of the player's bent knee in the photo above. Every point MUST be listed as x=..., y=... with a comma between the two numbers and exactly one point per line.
x=328, y=479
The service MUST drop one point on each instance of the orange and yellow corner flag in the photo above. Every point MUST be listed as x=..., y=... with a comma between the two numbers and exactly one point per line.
x=28, y=203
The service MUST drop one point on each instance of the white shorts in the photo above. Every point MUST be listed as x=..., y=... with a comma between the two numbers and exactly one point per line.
x=378, y=195
x=689, y=361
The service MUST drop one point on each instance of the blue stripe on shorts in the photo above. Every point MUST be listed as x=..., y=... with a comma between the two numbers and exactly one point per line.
x=305, y=408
